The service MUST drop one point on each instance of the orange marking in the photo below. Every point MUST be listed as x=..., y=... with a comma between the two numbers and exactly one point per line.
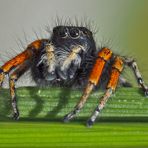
x=115, y=73
x=104, y=55
x=118, y=64
x=113, y=79
x=96, y=71
x=19, y=59
x=36, y=44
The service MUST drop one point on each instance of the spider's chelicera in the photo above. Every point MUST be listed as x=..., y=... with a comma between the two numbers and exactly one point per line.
x=70, y=58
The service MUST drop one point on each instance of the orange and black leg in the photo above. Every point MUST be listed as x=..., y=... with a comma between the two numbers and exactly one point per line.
x=31, y=51
x=133, y=65
x=12, y=80
x=115, y=73
x=20, y=64
x=103, y=56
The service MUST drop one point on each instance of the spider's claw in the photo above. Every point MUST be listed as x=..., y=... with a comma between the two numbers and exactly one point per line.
x=16, y=116
x=71, y=115
x=90, y=123
x=68, y=117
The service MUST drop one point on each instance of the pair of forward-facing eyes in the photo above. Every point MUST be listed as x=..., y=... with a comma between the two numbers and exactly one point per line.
x=74, y=33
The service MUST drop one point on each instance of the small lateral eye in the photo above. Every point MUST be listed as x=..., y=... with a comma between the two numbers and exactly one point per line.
x=63, y=32
x=74, y=32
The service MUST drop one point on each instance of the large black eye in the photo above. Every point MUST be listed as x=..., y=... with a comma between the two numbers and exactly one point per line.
x=63, y=32
x=74, y=32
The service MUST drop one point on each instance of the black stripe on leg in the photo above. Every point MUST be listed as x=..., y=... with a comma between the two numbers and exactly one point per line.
x=140, y=80
x=97, y=109
x=76, y=110
x=91, y=121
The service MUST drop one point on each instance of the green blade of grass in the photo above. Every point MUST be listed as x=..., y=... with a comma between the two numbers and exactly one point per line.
x=119, y=125
x=52, y=103
x=55, y=134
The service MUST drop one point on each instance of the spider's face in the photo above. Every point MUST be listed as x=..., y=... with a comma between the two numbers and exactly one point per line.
x=71, y=35
x=71, y=47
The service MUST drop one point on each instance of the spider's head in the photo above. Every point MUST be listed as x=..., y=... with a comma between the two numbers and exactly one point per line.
x=72, y=46
x=68, y=36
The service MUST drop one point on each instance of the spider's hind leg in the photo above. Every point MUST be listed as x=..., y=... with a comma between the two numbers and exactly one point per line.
x=12, y=80
x=133, y=65
x=123, y=82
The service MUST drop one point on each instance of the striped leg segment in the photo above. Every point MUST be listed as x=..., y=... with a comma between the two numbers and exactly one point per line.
x=115, y=73
x=30, y=52
x=19, y=63
x=2, y=75
x=12, y=80
x=103, y=56
x=133, y=65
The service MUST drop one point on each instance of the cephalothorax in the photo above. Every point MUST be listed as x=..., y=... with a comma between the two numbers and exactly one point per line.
x=70, y=58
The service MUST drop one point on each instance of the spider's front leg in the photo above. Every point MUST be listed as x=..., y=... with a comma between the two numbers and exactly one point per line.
x=115, y=73
x=12, y=80
x=20, y=64
x=103, y=56
x=31, y=50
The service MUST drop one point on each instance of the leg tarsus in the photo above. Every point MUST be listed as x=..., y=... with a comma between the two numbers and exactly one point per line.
x=101, y=105
x=146, y=92
x=81, y=103
x=67, y=118
x=15, y=109
x=89, y=123
x=16, y=115
x=71, y=115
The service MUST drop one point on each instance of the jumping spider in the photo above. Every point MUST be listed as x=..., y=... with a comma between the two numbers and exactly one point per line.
x=70, y=58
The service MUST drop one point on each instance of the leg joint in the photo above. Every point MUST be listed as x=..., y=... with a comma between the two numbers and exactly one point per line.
x=128, y=61
x=13, y=77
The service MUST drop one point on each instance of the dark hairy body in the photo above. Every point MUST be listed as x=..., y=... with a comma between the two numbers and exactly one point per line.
x=70, y=58
x=77, y=73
